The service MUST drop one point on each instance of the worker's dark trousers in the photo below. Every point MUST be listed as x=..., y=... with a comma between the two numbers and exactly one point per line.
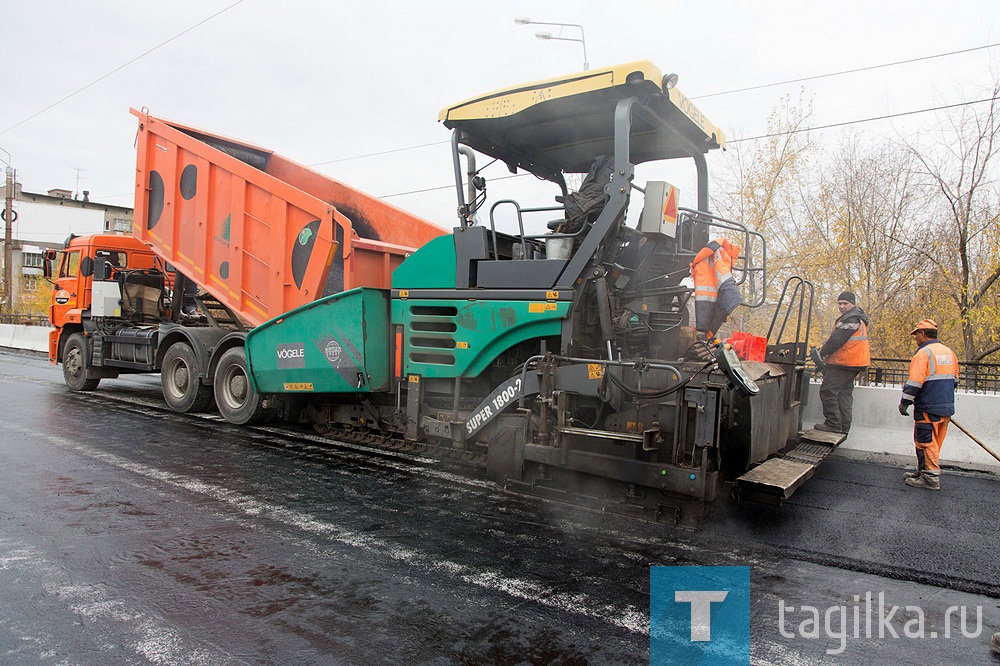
x=837, y=395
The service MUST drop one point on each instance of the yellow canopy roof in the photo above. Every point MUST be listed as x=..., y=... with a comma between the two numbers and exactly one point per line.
x=562, y=124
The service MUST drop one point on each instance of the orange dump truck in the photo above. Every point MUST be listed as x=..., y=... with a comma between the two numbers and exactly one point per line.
x=227, y=235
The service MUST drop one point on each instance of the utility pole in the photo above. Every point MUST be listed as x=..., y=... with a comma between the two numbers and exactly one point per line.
x=8, y=240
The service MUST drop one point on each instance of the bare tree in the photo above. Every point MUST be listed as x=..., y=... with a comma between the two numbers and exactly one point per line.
x=762, y=190
x=866, y=197
x=960, y=166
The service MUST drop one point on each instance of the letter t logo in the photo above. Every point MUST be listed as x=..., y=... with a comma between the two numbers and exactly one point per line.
x=701, y=610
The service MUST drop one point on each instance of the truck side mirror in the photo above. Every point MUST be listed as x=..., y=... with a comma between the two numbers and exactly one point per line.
x=47, y=259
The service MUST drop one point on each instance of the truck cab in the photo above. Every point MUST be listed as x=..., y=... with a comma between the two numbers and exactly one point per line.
x=90, y=283
x=73, y=273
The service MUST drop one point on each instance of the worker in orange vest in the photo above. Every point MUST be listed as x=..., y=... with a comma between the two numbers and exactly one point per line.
x=846, y=353
x=715, y=290
x=931, y=390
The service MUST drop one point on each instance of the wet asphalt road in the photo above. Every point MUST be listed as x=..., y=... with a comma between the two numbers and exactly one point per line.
x=131, y=535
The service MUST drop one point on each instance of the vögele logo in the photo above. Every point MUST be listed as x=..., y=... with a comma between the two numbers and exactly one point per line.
x=699, y=615
x=291, y=355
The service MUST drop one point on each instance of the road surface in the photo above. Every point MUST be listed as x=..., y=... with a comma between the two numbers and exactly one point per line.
x=132, y=535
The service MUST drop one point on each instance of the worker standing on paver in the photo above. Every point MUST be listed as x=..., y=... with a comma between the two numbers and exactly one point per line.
x=715, y=292
x=931, y=391
x=846, y=353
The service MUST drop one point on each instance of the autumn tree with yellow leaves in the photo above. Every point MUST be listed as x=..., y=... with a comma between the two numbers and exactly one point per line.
x=762, y=189
x=35, y=297
x=911, y=227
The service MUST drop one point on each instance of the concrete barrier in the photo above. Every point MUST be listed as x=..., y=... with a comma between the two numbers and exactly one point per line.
x=880, y=434
x=32, y=338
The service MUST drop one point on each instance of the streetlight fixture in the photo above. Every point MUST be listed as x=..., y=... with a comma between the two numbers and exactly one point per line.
x=524, y=20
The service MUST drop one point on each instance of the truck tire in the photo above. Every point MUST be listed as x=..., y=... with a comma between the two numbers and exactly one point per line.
x=182, y=390
x=237, y=400
x=76, y=364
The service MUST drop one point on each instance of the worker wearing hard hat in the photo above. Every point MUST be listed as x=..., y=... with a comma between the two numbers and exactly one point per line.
x=931, y=391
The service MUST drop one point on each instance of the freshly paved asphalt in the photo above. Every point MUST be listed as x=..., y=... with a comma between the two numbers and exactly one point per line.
x=132, y=535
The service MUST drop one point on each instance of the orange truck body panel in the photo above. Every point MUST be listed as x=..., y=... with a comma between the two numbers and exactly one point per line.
x=260, y=232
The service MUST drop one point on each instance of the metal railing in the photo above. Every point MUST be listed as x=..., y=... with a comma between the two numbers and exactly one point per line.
x=973, y=377
x=25, y=320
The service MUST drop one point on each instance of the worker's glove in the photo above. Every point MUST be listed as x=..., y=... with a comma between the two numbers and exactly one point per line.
x=903, y=407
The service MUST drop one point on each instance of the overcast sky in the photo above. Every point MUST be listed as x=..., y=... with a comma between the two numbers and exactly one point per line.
x=324, y=81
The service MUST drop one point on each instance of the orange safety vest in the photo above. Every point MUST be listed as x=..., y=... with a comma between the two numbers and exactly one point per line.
x=933, y=375
x=712, y=267
x=855, y=353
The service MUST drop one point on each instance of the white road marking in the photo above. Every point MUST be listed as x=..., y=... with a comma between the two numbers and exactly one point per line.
x=630, y=618
x=113, y=618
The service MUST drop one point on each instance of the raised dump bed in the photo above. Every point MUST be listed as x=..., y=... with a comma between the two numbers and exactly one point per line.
x=260, y=232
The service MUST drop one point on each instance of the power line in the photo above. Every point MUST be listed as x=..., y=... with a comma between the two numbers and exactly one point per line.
x=845, y=71
x=429, y=189
x=446, y=187
x=715, y=94
x=757, y=138
x=726, y=92
x=121, y=67
x=748, y=138
x=383, y=152
x=863, y=120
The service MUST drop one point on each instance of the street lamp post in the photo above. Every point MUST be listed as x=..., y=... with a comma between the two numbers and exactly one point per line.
x=524, y=20
x=8, y=234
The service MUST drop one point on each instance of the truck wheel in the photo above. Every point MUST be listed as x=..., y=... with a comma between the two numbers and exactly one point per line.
x=237, y=400
x=76, y=364
x=183, y=391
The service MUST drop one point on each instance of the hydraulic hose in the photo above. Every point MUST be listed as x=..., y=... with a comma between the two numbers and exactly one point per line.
x=604, y=310
x=628, y=390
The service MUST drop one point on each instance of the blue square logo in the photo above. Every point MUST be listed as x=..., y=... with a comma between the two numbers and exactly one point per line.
x=699, y=615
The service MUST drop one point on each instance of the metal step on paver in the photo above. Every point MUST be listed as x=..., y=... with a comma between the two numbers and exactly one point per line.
x=774, y=480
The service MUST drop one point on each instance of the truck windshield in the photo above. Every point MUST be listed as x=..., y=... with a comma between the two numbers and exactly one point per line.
x=70, y=265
